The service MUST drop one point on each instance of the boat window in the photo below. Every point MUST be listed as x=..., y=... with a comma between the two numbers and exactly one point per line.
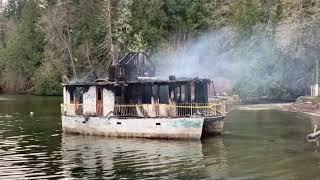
x=164, y=94
x=147, y=94
x=118, y=91
x=201, y=92
x=71, y=91
x=133, y=94
x=183, y=92
x=192, y=92
x=177, y=93
x=79, y=94
x=172, y=96
x=99, y=94
x=155, y=90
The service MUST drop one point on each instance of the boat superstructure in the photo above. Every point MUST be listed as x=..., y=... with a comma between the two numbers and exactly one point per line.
x=132, y=102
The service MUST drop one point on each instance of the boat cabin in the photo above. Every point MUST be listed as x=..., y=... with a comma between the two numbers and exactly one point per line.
x=133, y=91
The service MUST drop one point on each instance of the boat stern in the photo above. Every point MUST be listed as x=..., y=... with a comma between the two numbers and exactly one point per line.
x=213, y=126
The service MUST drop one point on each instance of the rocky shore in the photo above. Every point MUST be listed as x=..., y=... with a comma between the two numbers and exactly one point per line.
x=301, y=107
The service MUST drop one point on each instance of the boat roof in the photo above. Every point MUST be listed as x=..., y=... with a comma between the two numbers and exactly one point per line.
x=106, y=82
x=132, y=56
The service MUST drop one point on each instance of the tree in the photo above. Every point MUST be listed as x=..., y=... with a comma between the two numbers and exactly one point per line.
x=88, y=32
x=149, y=23
x=13, y=9
x=108, y=43
x=185, y=20
x=245, y=15
x=24, y=50
x=122, y=26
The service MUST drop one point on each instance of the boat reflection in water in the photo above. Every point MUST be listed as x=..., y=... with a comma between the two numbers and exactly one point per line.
x=98, y=157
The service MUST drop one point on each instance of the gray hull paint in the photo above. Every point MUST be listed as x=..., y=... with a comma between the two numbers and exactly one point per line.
x=213, y=126
x=166, y=128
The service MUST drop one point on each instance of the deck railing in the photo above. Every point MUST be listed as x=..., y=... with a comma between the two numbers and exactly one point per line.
x=154, y=110
x=170, y=110
x=72, y=109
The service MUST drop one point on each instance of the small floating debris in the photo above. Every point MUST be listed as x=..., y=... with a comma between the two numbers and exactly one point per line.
x=313, y=137
x=31, y=114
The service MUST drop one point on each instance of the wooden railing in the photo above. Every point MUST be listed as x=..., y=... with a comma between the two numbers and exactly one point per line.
x=154, y=110
x=169, y=110
x=72, y=109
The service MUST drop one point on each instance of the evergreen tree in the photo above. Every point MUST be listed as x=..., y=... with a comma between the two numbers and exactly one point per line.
x=87, y=34
x=2, y=42
x=13, y=9
x=245, y=15
x=24, y=49
x=186, y=15
x=149, y=22
x=122, y=26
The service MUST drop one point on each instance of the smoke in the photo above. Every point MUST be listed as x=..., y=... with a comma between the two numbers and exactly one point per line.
x=213, y=54
x=253, y=64
x=84, y=77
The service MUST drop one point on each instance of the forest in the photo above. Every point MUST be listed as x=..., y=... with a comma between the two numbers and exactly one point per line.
x=264, y=48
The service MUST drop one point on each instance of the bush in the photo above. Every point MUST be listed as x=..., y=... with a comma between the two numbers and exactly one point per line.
x=46, y=80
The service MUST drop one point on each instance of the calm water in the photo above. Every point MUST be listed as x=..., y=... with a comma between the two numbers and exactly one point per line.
x=264, y=144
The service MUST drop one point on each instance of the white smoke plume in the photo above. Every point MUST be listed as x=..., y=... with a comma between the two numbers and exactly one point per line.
x=256, y=60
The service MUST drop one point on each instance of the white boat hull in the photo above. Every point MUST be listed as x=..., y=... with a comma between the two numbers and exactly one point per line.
x=168, y=128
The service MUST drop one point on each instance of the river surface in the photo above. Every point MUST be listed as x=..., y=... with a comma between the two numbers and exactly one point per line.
x=258, y=144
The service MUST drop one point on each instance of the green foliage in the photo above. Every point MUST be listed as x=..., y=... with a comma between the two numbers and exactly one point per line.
x=23, y=52
x=186, y=15
x=122, y=26
x=87, y=23
x=25, y=45
x=278, y=14
x=46, y=79
x=14, y=9
x=126, y=38
x=2, y=34
x=149, y=23
x=246, y=14
x=88, y=31
x=35, y=56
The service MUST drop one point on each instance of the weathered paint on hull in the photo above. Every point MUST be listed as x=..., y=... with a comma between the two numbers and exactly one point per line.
x=167, y=128
x=213, y=126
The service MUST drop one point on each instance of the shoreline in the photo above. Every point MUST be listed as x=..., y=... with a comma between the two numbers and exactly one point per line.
x=26, y=94
x=303, y=107
x=298, y=107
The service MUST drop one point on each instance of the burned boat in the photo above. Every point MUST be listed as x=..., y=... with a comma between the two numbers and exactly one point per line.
x=132, y=102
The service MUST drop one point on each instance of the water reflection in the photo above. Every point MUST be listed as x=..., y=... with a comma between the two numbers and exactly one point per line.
x=264, y=144
x=270, y=144
x=20, y=159
x=141, y=158
x=27, y=148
